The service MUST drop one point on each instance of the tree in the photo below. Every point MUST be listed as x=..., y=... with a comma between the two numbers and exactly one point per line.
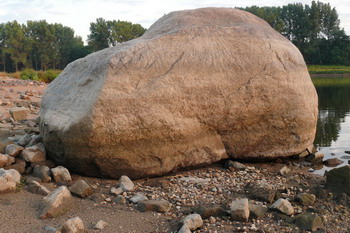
x=2, y=46
x=99, y=35
x=15, y=43
x=121, y=31
x=313, y=29
x=42, y=37
x=104, y=34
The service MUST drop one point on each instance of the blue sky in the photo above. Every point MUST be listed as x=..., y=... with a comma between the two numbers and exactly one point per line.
x=78, y=14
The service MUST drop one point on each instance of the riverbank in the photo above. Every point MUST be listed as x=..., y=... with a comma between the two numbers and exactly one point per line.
x=208, y=191
x=328, y=69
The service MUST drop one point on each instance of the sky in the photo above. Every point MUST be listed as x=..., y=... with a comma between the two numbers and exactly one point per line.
x=78, y=14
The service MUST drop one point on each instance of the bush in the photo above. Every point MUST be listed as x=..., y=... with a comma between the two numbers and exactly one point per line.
x=29, y=74
x=50, y=75
x=16, y=75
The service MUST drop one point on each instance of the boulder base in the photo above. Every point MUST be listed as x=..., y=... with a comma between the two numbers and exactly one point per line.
x=199, y=86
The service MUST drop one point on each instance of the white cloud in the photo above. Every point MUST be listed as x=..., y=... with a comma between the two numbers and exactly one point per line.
x=78, y=14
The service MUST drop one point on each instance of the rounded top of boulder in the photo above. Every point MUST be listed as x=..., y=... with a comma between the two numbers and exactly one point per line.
x=211, y=17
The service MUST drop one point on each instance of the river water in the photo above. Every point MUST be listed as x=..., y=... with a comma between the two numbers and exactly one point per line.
x=333, y=127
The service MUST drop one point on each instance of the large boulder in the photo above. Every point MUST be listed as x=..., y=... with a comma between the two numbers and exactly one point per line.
x=199, y=86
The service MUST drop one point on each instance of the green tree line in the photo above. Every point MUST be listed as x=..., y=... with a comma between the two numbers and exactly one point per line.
x=314, y=29
x=40, y=46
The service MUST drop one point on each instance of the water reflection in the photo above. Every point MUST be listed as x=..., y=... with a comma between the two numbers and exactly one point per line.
x=334, y=106
x=333, y=126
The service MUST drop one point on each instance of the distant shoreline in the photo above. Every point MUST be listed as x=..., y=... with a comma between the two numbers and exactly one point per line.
x=325, y=75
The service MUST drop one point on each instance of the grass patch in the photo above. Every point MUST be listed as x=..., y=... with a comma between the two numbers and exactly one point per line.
x=30, y=74
x=319, y=82
x=323, y=69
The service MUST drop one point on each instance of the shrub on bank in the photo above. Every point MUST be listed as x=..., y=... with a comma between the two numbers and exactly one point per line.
x=30, y=74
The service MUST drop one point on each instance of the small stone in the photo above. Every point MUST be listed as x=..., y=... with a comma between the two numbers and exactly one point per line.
x=61, y=174
x=138, y=197
x=285, y=171
x=240, y=210
x=193, y=221
x=306, y=199
x=338, y=180
x=81, y=189
x=13, y=150
x=120, y=199
x=116, y=191
x=56, y=203
x=48, y=228
x=25, y=140
x=235, y=165
x=332, y=162
x=5, y=116
x=257, y=211
x=208, y=211
x=314, y=157
x=30, y=179
x=212, y=220
x=347, y=152
x=125, y=183
x=304, y=154
x=6, y=160
x=18, y=114
x=262, y=191
x=35, y=140
x=154, y=205
x=34, y=153
x=19, y=165
x=42, y=172
x=309, y=222
x=10, y=160
x=73, y=225
x=195, y=180
x=100, y=225
x=36, y=188
x=283, y=206
x=184, y=229
x=9, y=180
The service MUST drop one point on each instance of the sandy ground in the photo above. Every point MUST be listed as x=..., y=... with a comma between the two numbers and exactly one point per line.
x=20, y=213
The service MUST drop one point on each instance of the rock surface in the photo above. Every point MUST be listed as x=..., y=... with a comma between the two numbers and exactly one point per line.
x=199, y=86
x=73, y=225
x=36, y=188
x=61, y=174
x=306, y=199
x=257, y=211
x=42, y=172
x=338, y=180
x=81, y=189
x=125, y=183
x=34, y=153
x=283, y=206
x=193, y=221
x=100, y=225
x=19, y=113
x=9, y=180
x=13, y=150
x=309, y=222
x=56, y=203
x=240, y=210
x=154, y=205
